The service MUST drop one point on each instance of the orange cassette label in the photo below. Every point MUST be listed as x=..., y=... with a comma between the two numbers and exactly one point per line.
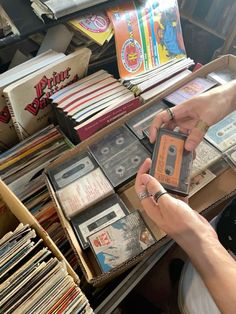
x=169, y=160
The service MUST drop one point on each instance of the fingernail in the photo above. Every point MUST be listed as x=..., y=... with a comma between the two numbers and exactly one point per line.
x=146, y=179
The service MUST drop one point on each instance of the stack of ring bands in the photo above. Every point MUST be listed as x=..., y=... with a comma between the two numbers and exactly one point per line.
x=142, y=195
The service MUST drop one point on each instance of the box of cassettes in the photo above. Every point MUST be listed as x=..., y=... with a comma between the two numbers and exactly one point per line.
x=206, y=200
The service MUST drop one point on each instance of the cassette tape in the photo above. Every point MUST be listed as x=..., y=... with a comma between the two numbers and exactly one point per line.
x=146, y=142
x=120, y=163
x=120, y=241
x=222, y=135
x=97, y=217
x=112, y=144
x=171, y=163
x=230, y=157
x=142, y=121
x=70, y=170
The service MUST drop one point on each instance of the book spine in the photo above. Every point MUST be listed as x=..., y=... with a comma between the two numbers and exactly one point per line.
x=15, y=123
x=91, y=128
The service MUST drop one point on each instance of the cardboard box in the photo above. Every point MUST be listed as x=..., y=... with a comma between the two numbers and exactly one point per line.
x=206, y=200
x=17, y=212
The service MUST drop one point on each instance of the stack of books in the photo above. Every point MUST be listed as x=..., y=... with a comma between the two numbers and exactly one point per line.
x=156, y=81
x=92, y=103
x=8, y=135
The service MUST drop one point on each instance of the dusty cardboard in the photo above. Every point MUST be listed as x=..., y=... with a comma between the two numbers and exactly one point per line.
x=206, y=199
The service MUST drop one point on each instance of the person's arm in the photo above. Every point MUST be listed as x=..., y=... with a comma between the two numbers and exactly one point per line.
x=209, y=107
x=196, y=236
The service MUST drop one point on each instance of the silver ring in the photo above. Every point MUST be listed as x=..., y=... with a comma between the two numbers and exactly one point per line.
x=170, y=113
x=158, y=194
x=142, y=195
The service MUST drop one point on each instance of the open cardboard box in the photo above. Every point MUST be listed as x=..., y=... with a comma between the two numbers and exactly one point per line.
x=16, y=213
x=207, y=199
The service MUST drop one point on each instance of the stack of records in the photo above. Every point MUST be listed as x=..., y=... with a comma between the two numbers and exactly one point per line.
x=32, y=280
x=21, y=168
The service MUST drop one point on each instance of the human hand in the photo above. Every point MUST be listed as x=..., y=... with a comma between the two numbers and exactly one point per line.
x=194, y=116
x=172, y=215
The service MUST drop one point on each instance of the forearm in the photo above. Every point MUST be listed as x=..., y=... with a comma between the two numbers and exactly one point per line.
x=216, y=267
x=226, y=96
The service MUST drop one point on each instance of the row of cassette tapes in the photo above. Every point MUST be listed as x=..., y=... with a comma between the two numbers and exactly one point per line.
x=86, y=183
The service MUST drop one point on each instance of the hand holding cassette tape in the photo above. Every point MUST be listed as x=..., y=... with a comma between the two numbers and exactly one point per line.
x=171, y=214
x=197, y=114
x=171, y=162
x=195, y=235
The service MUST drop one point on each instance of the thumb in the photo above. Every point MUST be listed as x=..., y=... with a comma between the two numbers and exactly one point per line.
x=153, y=186
x=195, y=137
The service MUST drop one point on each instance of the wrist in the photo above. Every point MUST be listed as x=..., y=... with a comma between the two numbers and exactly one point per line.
x=198, y=235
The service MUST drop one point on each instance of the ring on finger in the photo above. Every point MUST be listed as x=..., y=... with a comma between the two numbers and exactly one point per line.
x=202, y=126
x=170, y=113
x=142, y=195
x=158, y=194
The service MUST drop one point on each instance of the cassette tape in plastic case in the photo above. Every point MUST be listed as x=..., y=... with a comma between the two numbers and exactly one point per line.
x=70, y=170
x=97, y=217
x=171, y=163
x=119, y=155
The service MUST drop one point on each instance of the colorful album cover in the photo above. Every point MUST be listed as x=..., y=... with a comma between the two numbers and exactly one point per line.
x=147, y=34
x=223, y=134
x=189, y=90
x=120, y=241
x=96, y=26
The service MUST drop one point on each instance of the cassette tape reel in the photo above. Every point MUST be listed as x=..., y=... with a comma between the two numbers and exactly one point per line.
x=171, y=163
x=123, y=166
x=171, y=160
x=112, y=144
x=71, y=170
